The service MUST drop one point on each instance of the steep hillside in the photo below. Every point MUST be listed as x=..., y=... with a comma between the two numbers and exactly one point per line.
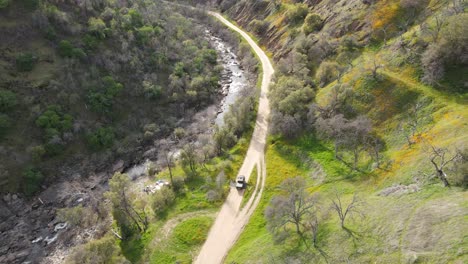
x=369, y=106
x=84, y=83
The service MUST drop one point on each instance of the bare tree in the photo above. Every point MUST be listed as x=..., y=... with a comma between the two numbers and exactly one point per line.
x=415, y=119
x=293, y=208
x=166, y=157
x=435, y=28
x=440, y=158
x=343, y=210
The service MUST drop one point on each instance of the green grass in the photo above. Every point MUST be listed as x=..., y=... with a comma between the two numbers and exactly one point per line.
x=184, y=242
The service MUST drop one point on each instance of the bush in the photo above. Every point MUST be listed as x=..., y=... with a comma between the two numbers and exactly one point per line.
x=65, y=49
x=327, y=72
x=297, y=13
x=312, y=23
x=102, y=138
x=54, y=121
x=7, y=100
x=259, y=26
x=102, y=99
x=4, y=3
x=25, y=62
x=144, y=34
x=37, y=152
x=103, y=250
x=32, y=179
x=97, y=27
x=76, y=216
x=162, y=200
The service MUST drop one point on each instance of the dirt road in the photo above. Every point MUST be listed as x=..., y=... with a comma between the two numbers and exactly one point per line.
x=230, y=220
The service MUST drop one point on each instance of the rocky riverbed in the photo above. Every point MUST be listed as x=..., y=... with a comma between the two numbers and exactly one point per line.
x=29, y=229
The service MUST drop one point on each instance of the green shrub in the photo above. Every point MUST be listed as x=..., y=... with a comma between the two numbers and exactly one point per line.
x=32, y=179
x=312, y=23
x=4, y=3
x=78, y=53
x=65, y=49
x=162, y=200
x=144, y=34
x=102, y=138
x=327, y=72
x=37, y=152
x=102, y=99
x=90, y=42
x=97, y=27
x=297, y=13
x=25, y=62
x=259, y=26
x=50, y=33
x=7, y=100
x=54, y=121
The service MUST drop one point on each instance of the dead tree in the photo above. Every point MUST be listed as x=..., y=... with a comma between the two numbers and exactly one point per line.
x=344, y=211
x=440, y=158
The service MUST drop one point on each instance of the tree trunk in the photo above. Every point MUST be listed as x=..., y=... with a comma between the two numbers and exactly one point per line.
x=443, y=178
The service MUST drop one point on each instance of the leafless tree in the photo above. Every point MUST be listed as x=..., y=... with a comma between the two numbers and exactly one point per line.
x=293, y=208
x=416, y=118
x=166, y=157
x=343, y=211
x=434, y=29
x=440, y=158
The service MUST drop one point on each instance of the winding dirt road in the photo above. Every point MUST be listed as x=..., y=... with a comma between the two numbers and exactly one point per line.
x=231, y=220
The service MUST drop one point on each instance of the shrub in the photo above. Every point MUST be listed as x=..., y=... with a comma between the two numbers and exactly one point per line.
x=65, y=49
x=259, y=26
x=144, y=34
x=97, y=27
x=4, y=3
x=76, y=216
x=37, y=152
x=297, y=13
x=312, y=23
x=25, y=62
x=7, y=100
x=102, y=99
x=102, y=138
x=162, y=200
x=54, y=121
x=327, y=72
x=32, y=178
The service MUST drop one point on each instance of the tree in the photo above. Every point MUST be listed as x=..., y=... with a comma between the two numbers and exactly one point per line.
x=101, y=138
x=161, y=200
x=125, y=214
x=343, y=210
x=189, y=158
x=166, y=157
x=292, y=208
x=416, y=117
x=101, y=251
x=25, y=62
x=7, y=100
x=313, y=22
x=97, y=27
x=440, y=158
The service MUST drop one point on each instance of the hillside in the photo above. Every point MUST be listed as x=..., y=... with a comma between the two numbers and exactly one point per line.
x=366, y=94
